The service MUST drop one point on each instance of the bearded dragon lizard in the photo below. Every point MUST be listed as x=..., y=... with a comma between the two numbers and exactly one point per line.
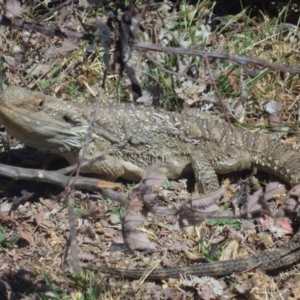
x=132, y=138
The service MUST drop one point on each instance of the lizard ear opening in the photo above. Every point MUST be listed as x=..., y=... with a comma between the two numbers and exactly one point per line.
x=40, y=103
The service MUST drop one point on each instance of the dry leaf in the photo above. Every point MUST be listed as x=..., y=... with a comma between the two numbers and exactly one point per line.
x=139, y=241
x=14, y=7
x=67, y=46
x=26, y=235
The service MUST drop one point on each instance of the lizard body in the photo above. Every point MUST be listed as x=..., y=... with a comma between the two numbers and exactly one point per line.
x=132, y=138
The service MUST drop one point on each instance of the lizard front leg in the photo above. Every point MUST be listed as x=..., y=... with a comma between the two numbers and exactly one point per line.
x=109, y=167
x=206, y=177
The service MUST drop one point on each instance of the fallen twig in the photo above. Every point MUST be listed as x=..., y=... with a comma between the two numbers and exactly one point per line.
x=241, y=60
x=219, y=96
x=55, y=177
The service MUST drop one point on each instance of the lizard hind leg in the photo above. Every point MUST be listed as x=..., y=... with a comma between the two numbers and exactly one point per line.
x=206, y=177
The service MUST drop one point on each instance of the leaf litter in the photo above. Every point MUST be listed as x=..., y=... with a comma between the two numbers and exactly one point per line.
x=36, y=233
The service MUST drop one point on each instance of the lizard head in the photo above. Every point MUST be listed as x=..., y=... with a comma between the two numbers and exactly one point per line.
x=42, y=122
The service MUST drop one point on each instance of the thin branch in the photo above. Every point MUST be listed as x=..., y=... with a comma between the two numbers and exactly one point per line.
x=219, y=96
x=70, y=191
x=241, y=60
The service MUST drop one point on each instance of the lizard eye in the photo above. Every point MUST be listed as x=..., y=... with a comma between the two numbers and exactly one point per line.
x=70, y=121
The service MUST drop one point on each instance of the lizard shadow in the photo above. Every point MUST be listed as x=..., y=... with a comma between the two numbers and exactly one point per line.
x=32, y=158
x=29, y=158
x=17, y=284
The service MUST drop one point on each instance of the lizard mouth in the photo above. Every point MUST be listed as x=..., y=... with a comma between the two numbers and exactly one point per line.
x=21, y=117
x=33, y=127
